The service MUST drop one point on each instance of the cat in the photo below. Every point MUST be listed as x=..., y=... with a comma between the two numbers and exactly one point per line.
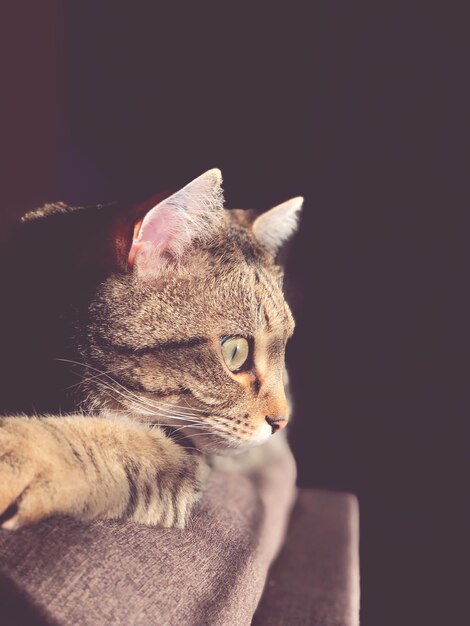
x=172, y=314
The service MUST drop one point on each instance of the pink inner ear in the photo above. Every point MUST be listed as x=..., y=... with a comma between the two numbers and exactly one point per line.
x=170, y=227
x=152, y=234
x=134, y=246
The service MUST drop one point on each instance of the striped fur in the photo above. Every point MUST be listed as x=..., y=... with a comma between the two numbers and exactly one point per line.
x=95, y=467
x=154, y=402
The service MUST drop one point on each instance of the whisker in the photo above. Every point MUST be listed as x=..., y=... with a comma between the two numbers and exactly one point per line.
x=142, y=405
x=90, y=378
x=209, y=434
x=155, y=424
x=101, y=373
x=180, y=427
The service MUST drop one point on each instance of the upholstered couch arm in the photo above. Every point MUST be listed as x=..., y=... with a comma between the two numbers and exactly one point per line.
x=117, y=573
x=67, y=573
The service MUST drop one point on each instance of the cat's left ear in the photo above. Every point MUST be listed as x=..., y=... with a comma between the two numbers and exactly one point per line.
x=171, y=226
x=275, y=227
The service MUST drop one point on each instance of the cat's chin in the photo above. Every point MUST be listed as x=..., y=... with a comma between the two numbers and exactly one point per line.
x=225, y=446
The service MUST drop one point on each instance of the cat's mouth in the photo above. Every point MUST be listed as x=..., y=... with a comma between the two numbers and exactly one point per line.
x=214, y=440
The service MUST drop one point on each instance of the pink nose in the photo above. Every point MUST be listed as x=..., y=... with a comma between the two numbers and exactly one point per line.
x=276, y=423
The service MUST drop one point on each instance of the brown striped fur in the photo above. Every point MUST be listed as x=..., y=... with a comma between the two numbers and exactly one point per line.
x=155, y=399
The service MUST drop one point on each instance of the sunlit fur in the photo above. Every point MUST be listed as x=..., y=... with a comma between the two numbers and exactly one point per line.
x=164, y=343
x=130, y=344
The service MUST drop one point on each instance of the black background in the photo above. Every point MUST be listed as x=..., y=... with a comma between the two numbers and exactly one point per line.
x=360, y=110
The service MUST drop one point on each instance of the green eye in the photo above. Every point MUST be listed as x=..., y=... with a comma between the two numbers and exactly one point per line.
x=235, y=351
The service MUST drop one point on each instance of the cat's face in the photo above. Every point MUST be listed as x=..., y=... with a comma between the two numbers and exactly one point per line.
x=193, y=335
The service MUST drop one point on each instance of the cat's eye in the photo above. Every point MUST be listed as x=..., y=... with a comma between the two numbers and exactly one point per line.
x=235, y=351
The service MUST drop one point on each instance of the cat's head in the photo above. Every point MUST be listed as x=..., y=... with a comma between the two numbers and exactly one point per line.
x=191, y=331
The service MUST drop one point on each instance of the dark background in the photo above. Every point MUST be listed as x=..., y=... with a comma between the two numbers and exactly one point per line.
x=360, y=110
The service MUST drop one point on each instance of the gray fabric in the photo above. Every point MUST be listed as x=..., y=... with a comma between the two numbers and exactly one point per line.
x=67, y=573
x=315, y=579
x=124, y=574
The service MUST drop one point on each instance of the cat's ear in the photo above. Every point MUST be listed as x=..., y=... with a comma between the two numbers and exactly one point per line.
x=172, y=225
x=275, y=227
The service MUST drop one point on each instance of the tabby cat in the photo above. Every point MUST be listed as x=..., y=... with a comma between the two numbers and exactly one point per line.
x=139, y=343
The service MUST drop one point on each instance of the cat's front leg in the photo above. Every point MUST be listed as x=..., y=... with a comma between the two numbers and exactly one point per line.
x=91, y=468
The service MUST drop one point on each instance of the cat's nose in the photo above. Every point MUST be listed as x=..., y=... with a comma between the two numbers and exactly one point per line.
x=276, y=423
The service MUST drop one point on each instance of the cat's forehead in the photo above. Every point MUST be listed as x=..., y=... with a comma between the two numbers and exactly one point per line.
x=232, y=297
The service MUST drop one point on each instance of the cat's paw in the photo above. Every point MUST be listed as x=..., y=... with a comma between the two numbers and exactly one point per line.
x=25, y=484
x=33, y=483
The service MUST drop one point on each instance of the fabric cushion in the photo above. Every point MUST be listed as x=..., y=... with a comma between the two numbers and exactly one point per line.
x=123, y=573
x=64, y=573
x=315, y=579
